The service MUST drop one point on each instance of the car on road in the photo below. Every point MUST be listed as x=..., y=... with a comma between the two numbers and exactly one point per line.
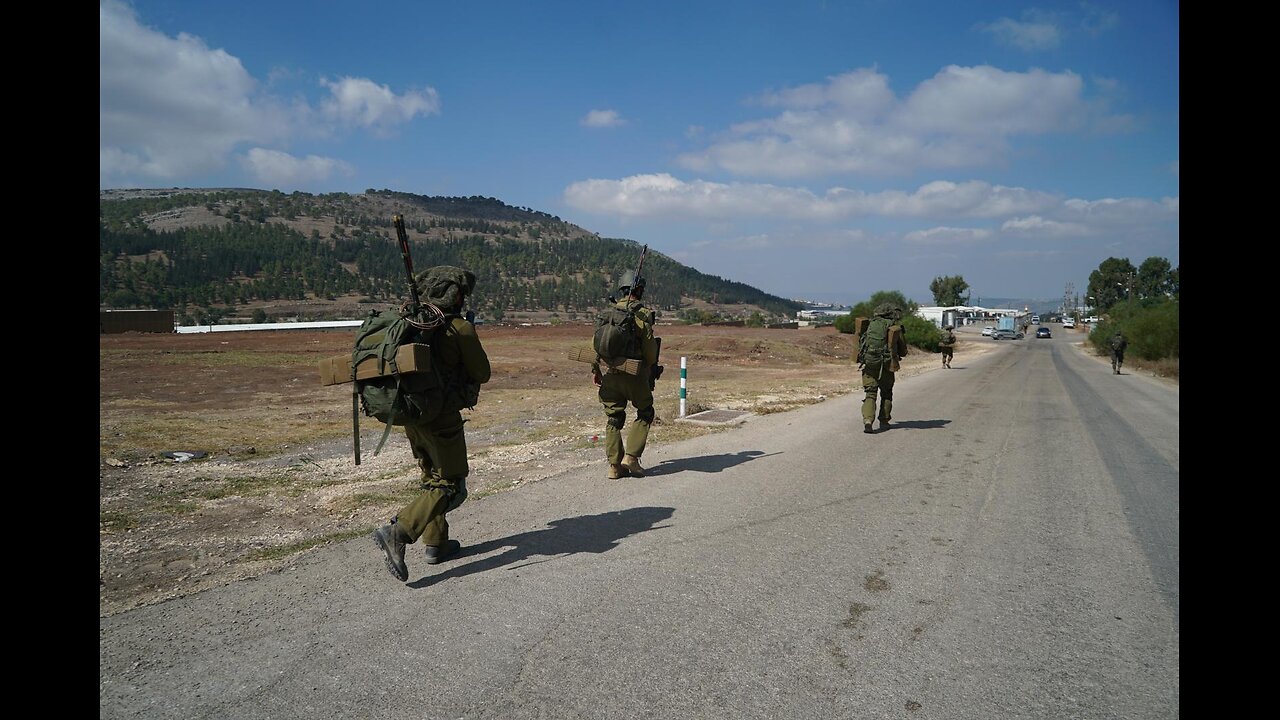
x=988, y=330
x=1006, y=335
x=1042, y=332
x=1068, y=324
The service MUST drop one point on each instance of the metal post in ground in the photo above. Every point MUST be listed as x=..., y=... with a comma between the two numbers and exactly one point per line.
x=684, y=373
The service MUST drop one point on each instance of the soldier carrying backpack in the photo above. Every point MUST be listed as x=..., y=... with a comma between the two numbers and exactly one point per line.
x=948, y=345
x=879, y=349
x=439, y=444
x=1118, y=344
x=624, y=331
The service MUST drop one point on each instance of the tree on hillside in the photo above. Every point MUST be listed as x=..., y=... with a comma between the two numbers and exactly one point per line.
x=949, y=290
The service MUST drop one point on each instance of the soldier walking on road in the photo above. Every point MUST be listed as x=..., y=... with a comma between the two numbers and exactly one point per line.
x=948, y=345
x=624, y=331
x=1118, y=344
x=440, y=445
x=879, y=350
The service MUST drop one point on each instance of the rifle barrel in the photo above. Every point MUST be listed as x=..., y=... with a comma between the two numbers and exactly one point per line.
x=403, y=236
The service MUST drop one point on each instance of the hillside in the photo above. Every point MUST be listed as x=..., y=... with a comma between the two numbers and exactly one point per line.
x=214, y=253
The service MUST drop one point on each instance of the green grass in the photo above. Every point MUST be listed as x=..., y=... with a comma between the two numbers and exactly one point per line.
x=113, y=521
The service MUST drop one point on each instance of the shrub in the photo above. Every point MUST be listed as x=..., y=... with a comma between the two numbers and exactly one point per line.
x=1151, y=326
x=921, y=333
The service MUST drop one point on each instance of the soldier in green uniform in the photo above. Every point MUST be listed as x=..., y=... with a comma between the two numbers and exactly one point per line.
x=1118, y=344
x=618, y=387
x=878, y=351
x=948, y=345
x=440, y=446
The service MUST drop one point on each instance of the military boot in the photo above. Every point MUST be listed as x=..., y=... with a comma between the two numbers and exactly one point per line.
x=866, y=428
x=632, y=464
x=617, y=471
x=438, y=553
x=391, y=540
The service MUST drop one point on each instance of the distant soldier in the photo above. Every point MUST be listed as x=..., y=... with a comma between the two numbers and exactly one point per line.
x=948, y=345
x=1118, y=344
x=624, y=331
x=879, y=349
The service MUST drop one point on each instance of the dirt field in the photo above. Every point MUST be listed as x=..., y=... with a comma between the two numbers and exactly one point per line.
x=277, y=477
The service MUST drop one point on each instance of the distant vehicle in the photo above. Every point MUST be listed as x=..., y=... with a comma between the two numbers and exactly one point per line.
x=1091, y=320
x=1068, y=324
x=988, y=330
x=1042, y=332
x=1006, y=335
x=1035, y=319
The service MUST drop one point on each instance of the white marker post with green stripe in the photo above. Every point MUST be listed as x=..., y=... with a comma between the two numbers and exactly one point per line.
x=684, y=373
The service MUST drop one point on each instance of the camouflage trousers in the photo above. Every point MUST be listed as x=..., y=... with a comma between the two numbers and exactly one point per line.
x=877, y=379
x=616, y=390
x=441, y=450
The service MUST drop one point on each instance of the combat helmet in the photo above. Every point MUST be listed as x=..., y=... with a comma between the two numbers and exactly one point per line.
x=445, y=285
x=888, y=310
x=626, y=282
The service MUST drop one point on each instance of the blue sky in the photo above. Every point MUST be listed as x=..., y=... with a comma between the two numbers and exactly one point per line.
x=814, y=149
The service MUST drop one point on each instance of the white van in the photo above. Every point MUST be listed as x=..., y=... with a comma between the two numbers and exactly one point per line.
x=1035, y=319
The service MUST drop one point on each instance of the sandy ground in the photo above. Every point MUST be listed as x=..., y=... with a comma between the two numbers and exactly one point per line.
x=277, y=475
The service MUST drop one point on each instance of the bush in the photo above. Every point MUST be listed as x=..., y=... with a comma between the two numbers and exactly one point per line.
x=1150, y=325
x=921, y=333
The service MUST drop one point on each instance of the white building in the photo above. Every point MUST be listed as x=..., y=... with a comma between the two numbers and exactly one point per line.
x=967, y=314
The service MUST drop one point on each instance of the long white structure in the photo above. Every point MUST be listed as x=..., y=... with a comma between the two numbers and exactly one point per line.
x=933, y=313
x=318, y=325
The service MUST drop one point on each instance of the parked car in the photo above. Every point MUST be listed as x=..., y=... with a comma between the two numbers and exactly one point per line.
x=1006, y=335
x=1042, y=332
x=988, y=330
x=1068, y=324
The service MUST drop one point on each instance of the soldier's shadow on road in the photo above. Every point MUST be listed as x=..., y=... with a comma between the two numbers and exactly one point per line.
x=707, y=463
x=583, y=534
x=918, y=424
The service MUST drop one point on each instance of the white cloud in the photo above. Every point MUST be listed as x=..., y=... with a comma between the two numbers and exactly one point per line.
x=171, y=107
x=1042, y=34
x=602, y=118
x=1097, y=20
x=853, y=123
x=1036, y=226
x=276, y=168
x=662, y=195
x=948, y=236
x=360, y=102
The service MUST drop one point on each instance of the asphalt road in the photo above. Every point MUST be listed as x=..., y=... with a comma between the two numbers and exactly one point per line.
x=1008, y=549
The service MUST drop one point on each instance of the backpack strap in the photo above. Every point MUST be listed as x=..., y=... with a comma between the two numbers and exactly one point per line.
x=395, y=403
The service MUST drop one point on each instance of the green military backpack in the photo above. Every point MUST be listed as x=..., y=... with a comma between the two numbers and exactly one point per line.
x=397, y=399
x=617, y=335
x=874, y=349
